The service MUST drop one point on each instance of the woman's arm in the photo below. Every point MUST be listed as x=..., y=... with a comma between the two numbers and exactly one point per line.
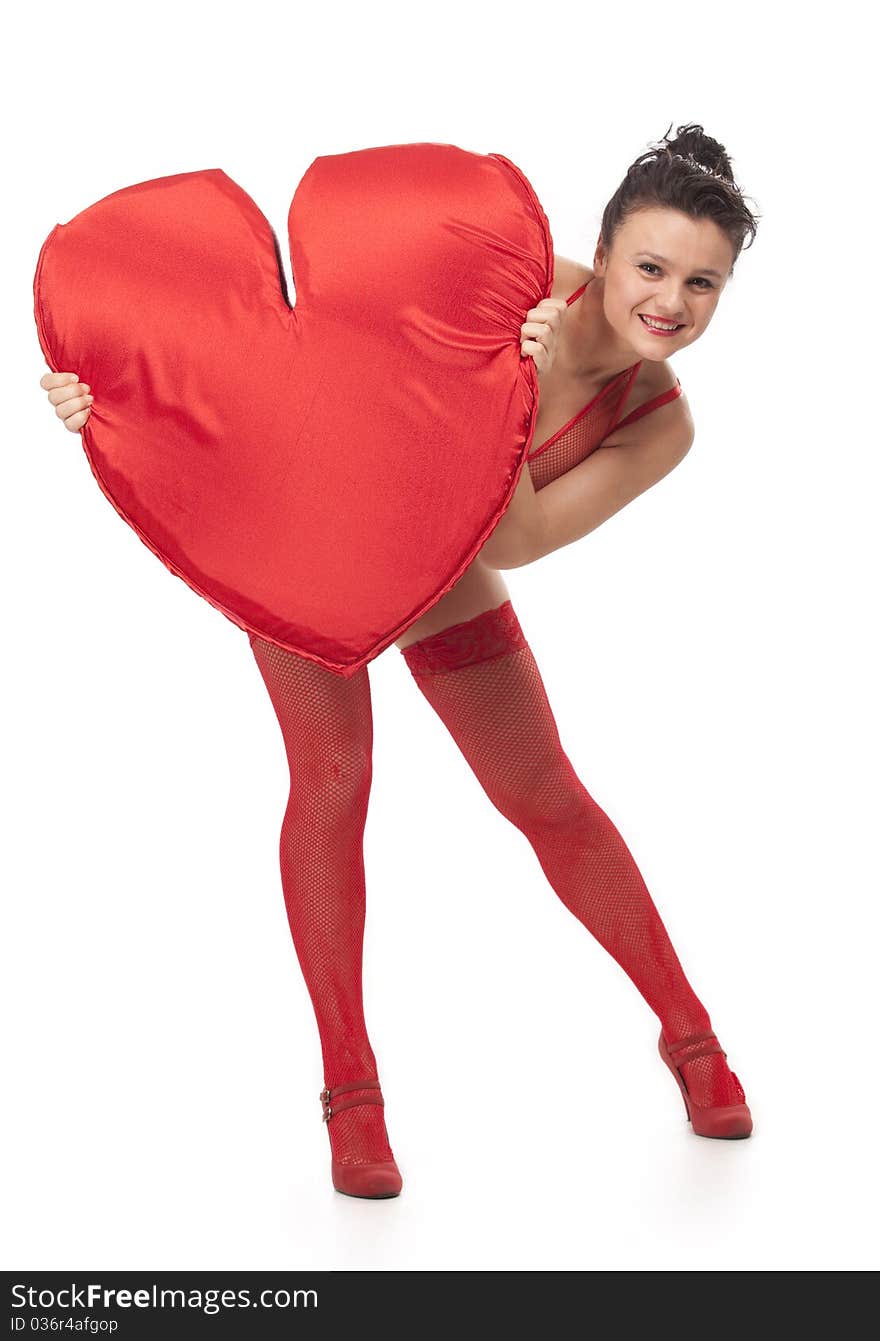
x=520, y=532
x=580, y=500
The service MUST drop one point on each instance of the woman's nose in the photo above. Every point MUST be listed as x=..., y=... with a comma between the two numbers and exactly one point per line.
x=671, y=303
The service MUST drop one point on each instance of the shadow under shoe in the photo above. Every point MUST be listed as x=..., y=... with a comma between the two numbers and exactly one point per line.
x=373, y=1179
x=730, y=1122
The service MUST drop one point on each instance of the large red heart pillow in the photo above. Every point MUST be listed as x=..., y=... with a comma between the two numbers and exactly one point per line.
x=322, y=473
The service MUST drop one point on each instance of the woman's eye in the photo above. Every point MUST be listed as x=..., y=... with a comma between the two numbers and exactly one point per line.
x=649, y=265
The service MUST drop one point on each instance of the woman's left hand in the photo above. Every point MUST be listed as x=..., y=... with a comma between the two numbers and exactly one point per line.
x=540, y=332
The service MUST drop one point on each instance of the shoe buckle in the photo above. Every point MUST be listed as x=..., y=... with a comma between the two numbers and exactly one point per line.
x=324, y=1096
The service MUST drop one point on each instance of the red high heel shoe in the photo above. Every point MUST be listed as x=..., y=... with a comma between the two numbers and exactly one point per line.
x=380, y=1178
x=729, y=1122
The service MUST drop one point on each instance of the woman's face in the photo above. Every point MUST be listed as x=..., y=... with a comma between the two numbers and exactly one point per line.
x=663, y=264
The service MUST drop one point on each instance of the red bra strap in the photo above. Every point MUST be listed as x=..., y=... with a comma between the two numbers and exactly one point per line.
x=650, y=405
x=577, y=293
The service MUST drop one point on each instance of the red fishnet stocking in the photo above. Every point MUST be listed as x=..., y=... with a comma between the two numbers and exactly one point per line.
x=481, y=679
x=327, y=724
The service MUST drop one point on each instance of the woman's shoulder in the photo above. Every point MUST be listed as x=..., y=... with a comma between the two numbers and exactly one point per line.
x=652, y=379
x=650, y=383
x=568, y=276
x=566, y=267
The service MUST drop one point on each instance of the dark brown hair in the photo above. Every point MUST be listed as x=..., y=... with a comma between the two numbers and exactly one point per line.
x=691, y=173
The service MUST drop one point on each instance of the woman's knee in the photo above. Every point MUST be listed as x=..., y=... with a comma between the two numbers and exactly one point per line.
x=330, y=792
x=549, y=796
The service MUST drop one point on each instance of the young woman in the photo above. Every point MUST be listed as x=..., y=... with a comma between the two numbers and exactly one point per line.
x=612, y=422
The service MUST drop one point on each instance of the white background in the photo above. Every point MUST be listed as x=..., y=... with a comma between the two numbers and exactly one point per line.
x=708, y=654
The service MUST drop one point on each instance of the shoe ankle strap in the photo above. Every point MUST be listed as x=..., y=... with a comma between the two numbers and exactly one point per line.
x=327, y=1096
x=697, y=1045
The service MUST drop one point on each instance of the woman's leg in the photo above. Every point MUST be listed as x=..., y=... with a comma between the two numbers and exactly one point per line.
x=327, y=725
x=482, y=680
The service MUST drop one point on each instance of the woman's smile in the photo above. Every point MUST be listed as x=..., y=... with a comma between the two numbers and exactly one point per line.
x=657, y=326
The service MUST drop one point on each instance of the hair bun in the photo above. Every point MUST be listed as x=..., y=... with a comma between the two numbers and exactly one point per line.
x=699, y=150
x=690, y=173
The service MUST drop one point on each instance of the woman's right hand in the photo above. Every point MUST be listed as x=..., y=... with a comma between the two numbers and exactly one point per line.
x=70, y=397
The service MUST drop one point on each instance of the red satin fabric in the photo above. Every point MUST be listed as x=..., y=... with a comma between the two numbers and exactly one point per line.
x=320, y=474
